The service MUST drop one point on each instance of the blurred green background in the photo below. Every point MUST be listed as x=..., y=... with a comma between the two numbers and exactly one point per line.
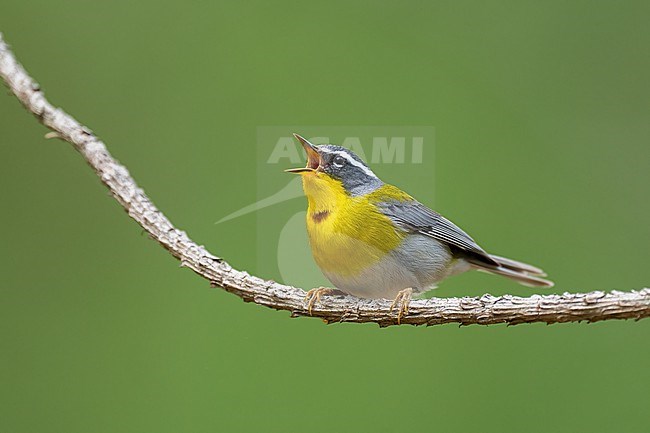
x=542, y=150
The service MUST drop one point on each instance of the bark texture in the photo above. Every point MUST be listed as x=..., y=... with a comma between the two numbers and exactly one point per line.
x=484, y=310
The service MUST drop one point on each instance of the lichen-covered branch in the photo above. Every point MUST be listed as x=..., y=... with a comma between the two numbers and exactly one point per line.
x=568, y=307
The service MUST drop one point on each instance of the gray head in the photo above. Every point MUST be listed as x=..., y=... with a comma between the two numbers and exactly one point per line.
x=341, y=164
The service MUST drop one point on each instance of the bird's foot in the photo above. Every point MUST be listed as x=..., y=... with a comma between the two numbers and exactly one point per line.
x=314, y=295
x=401, y=302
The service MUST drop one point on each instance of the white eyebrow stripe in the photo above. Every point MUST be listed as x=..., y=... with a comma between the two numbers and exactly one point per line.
x=351, y=161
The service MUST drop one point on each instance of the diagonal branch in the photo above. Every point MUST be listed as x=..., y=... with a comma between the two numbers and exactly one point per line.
x=568, y=307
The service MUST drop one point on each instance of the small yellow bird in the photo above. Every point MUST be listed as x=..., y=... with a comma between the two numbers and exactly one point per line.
x=372, y=240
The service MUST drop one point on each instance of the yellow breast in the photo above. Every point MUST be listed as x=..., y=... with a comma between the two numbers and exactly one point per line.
x=347, y=234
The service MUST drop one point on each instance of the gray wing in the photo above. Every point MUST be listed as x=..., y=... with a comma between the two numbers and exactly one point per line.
x=415, y=217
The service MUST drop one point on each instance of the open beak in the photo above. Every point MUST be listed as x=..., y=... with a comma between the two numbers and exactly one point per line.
x=313, y=158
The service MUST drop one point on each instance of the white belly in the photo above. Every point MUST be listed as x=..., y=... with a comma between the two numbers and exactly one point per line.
x=418, y=263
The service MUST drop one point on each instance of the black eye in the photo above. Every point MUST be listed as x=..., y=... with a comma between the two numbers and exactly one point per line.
x=338, y=161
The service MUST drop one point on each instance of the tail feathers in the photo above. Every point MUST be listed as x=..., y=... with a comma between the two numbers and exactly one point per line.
x=518, y=266
x=520, y=277
x=520, y=272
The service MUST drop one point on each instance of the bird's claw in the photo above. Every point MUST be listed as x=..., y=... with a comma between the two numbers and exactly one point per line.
x=314, y=295
x=401, y=302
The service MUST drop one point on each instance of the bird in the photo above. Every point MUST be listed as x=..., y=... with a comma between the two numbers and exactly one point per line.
x=372, y=240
